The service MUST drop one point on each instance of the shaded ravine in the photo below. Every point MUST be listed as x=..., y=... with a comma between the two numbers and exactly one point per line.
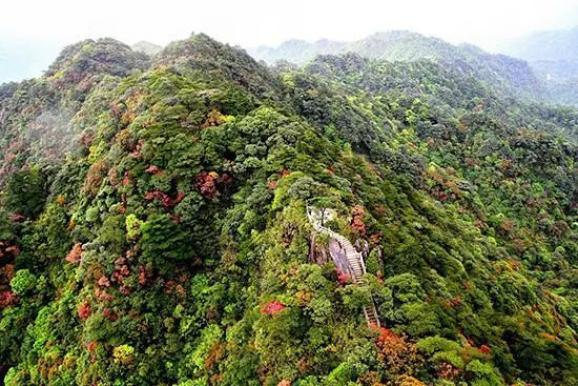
x=354, y=259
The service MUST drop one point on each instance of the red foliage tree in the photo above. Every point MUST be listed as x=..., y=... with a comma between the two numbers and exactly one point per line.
x=75, y=254
x=7, y=273
x=121, y=270
x=153, y=169
x=387, y=337
x=125, y=290
x=102, y=295
x=343, y=278
x=83, y=310
x=135, y=153
x=171, y=286
x=7, y=298
x=484, y=349
x=166, y=200
x=16, y=217
x=448, y=371
x=103, y=281
x=109, y=314
x=207, y=184
x=399, y=354
x=126, y=179
x=357, y=219
x=91, y=346
x=454, y=302
x=272, y=308
x=143, y=275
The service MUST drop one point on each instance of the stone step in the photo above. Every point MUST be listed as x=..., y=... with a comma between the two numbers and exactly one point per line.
x=354, y=259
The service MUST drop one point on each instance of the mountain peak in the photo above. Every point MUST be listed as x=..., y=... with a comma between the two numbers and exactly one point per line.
x=95, y=57
x=201, y=52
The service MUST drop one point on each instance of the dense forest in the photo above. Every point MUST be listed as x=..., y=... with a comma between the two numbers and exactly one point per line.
x=154, y=222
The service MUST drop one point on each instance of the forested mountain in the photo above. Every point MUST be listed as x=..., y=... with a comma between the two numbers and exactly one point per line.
x=154, y=224
x=392, y=46
x=553, y=55
x=551, y=75
x=505, y=74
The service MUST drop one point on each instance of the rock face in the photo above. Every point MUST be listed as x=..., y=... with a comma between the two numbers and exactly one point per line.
x=339, y=256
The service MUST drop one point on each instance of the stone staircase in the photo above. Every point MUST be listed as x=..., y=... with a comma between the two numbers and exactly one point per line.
x=354, y=259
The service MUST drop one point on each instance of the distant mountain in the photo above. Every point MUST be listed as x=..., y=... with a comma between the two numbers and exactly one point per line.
x=559, y=45
x=392, y=46
x=512, y=76
x=297, y=51
x=553, y=56
x=148, y=48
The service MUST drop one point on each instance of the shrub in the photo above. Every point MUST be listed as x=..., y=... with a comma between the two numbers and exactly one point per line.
x=123, y=354
x=23, y=282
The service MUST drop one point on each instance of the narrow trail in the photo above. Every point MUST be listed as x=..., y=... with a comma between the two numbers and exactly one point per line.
x=354, y=259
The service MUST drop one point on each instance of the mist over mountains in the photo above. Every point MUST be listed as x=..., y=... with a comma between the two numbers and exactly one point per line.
x=546, y=68
x=553, y=55
x=560, y=45
x=542, y=66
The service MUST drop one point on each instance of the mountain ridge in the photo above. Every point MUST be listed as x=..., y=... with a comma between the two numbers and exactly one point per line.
x=512, y=75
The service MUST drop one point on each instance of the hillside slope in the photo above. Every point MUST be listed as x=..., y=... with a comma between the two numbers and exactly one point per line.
x=154, y=229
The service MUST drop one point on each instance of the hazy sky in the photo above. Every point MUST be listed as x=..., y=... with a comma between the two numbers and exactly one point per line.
x=33, y=31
